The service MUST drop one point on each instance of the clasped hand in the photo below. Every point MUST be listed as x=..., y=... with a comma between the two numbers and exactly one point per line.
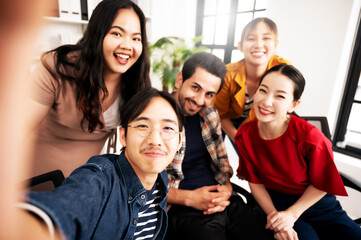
x=282, y=224
x=211, y=199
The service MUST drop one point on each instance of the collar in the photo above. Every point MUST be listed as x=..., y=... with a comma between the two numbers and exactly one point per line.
x=131, y=181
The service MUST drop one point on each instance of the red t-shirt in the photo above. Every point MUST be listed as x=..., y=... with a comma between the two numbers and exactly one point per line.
x=301, y=156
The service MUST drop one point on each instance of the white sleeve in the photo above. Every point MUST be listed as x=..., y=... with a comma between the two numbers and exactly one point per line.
x=41, y=214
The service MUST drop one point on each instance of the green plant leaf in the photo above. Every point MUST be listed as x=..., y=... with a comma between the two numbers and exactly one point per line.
x=168, y=55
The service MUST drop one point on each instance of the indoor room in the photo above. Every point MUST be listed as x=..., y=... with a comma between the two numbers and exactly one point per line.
x=322, y=39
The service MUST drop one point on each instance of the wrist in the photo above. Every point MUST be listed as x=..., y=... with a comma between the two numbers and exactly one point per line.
x=293, y=212
x=184, y=198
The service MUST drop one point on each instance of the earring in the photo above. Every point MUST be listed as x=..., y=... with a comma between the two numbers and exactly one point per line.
x=288, y=115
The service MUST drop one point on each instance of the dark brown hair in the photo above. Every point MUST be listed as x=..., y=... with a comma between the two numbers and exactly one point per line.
x=88, y=68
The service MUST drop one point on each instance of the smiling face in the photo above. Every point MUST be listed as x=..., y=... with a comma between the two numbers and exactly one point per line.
x=196, y=92
x=274, y=99
x=122, y=45
x=149, y=155
x=258, y=45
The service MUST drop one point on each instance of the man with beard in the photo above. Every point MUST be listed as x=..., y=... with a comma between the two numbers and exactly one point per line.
x=199, y=177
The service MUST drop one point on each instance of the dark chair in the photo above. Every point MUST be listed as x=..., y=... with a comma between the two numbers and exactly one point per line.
x=246, y=194
x=46, y=181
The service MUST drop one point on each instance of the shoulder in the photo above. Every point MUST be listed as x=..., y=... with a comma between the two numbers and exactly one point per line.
x=210, y=113
x=234, y=66
x=300, y=123
x=49, y=59
x=276, y=60
x=105, y=163
x=306, y=131
x=210, y=109
x=248, y=127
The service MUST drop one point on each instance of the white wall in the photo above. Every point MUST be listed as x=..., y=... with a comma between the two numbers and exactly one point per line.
x=173, y=18
x=317, y=37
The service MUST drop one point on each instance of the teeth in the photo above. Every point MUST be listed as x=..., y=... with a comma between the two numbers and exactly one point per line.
x=122, y=56
x=265, y=110
x=258, y=53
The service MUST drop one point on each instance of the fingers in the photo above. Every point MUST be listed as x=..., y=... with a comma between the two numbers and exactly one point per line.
x=218, y=208
x=278, y=226
x=289, y=234
x=271, y=219
x=280, y=221
x=295, y=236
x=211, y=188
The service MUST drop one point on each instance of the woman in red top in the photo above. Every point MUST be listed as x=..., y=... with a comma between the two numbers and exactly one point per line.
x=289, y=164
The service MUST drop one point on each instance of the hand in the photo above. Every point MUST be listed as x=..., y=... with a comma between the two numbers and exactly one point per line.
x=201, y=198
x=290, y=234
x=210, y=199
x=280, y=221
x=221, y=202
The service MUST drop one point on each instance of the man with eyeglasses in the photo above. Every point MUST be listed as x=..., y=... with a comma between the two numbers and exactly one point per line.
x=199, y=176
x=117, y=196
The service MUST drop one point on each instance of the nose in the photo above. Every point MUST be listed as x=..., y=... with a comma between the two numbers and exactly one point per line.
x=259, y=42
x=200, y=99
x=268, y=100
x=154, y=137
x=125, y=43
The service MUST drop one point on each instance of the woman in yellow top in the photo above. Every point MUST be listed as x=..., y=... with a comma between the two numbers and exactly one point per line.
x=258, y=44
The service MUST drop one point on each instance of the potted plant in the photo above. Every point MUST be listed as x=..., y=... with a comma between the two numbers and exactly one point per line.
x=168, y=55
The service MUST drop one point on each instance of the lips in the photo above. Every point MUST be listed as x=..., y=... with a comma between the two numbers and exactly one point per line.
x=258, y=53
x=264, y=111
x=154, y=154
x=122, y=58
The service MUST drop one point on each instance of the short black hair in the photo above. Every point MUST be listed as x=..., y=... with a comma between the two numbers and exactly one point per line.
x=136, y=105
x=208, y=62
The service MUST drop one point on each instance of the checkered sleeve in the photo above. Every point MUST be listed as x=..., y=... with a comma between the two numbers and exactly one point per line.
x=212, y=136
x=174, y=169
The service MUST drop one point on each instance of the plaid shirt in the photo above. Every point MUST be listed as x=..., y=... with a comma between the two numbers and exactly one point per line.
x=212, y=137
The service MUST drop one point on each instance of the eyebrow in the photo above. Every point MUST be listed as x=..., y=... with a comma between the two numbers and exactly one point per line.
x=123, y=30
x=263, y=85
x=279, y=91
x=195, y=83
x=265, y=34
x=148, y=119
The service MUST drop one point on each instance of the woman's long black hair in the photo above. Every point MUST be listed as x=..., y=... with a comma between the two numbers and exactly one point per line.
x=88, y=68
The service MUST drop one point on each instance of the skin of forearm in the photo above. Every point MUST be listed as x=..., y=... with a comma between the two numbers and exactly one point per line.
x=179, y=196
x=308, y=198
x=229, y=128
x=33, y=228
x=262, y=197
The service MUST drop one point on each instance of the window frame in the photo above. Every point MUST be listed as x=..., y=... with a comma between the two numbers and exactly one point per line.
x=229, y=47
x=348, y=100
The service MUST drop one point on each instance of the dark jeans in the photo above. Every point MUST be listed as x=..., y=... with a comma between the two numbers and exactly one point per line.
x=237, y=221
x=324, y=220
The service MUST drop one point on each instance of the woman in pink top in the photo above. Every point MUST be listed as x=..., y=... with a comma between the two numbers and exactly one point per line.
x=289, y=164
x=77, y=90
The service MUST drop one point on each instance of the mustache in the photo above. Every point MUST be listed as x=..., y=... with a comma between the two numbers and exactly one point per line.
x=155, y=149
